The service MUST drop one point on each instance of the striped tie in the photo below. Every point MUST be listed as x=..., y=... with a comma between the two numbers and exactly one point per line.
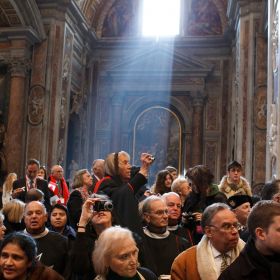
x=31, y=184
x=224, y=263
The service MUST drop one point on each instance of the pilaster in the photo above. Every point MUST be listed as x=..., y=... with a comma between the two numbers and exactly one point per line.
x=18, y=68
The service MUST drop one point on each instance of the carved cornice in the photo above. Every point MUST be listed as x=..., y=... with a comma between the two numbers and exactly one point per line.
x=240, y=8
x=69, y=10
x=27, y=33
x=31, y=16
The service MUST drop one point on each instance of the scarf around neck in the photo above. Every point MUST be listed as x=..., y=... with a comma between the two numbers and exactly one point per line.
x=64, y=189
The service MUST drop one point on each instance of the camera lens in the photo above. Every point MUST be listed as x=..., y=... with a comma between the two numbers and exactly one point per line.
x=108, y=206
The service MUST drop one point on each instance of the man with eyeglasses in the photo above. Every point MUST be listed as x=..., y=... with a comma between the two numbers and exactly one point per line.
x=218, y=248
x=159, y=247
x=260, y=259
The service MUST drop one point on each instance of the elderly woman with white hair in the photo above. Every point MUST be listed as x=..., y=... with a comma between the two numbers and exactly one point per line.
x=183, y=187
x=116, y=257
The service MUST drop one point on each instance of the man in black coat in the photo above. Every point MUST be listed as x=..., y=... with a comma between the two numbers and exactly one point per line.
x=260, y=258
x=52, y=246
x=23, y=185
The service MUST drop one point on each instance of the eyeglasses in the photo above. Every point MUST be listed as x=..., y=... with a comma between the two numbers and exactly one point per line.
x=159, y=212
x=228, y=227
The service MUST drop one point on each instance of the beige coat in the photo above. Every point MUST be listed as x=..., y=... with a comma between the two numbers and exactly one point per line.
x=242, y=188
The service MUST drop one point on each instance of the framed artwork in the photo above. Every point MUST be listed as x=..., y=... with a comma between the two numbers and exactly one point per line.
x=157, y=130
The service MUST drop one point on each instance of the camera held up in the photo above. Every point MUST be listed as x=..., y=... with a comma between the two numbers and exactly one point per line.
x=188, y=218
x=103, y=205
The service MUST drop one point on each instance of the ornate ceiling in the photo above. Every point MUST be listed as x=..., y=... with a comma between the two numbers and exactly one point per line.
x=8, y=15
x=97, y=12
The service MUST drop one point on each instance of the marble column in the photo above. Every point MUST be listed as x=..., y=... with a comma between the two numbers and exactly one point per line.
x=117, y=102
x=15, y=129
x=247, y=24
x=197, y=129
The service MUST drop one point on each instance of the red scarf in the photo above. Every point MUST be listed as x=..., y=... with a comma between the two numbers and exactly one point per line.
x=54, y=188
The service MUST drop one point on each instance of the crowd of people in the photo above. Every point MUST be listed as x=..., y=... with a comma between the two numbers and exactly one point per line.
x=110, y=224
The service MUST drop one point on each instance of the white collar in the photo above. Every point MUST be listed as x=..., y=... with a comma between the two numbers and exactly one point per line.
x=156, y=235
x=172, y=228
x=36, y=236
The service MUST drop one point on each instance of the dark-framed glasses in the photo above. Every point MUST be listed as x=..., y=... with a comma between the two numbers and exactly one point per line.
x=228, y=226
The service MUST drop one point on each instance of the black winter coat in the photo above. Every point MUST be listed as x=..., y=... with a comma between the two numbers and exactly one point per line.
x=252, y=265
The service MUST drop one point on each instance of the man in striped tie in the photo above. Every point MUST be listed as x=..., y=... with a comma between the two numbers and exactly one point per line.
x=218, y=248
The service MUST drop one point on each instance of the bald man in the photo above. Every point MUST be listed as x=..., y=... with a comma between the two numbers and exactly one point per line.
x=58, y=186
x=52, y=246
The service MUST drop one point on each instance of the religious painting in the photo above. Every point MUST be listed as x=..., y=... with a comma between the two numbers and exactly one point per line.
x=203, y=19
x=158, y=131
x=120, y=20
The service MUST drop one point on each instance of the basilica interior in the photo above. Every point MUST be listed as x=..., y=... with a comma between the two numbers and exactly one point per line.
x=78, y=81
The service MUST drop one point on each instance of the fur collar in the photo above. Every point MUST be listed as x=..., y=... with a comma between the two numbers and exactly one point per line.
x=243, y=187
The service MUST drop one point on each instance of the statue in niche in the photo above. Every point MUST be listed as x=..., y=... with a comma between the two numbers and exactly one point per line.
x=76, y=102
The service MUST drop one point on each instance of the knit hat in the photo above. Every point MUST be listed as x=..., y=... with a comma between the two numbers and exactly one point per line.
x=237, y=200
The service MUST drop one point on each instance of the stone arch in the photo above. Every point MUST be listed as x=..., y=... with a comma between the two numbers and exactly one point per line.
x=177, y=108
x=107, y=6
x=139, y=104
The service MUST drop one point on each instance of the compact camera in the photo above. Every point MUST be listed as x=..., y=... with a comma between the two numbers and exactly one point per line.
x=102, y=205
x=188, y=218
x=152, y=158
